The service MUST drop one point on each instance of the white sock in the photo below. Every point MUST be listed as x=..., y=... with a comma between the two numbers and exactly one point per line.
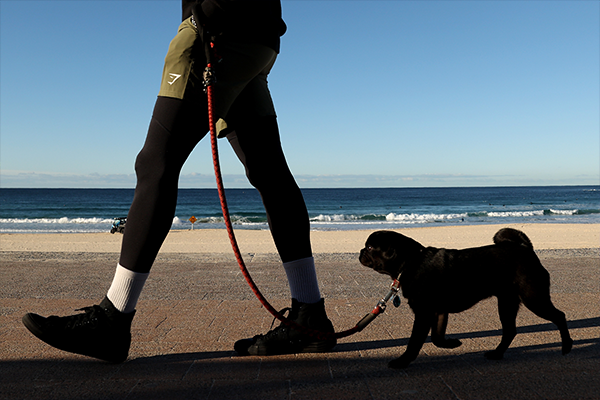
x=126, y=289
x=302, y=279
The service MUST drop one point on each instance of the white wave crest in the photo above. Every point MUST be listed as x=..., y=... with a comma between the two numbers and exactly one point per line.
x=62, y=220
x=564, y=212
x=422, y=218
x=235, y=220
x=202, y=220
x=334, y=218
x=505, y=214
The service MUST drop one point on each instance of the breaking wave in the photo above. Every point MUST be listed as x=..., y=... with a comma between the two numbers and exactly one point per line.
x=63, y=220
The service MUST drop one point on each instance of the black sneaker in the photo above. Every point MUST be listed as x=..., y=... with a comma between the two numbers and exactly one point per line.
x=287, y=340
x=101, y=331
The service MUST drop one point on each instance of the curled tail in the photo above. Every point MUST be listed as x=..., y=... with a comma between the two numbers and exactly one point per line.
x=512, y=236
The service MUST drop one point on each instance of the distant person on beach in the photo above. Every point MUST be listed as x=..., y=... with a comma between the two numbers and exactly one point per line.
x=247, y=39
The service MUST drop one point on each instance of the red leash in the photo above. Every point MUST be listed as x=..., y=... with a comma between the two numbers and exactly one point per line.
x=209, y=80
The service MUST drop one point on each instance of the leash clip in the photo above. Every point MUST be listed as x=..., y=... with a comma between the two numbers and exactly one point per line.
x=392, y=294
x=209, y=77
x=381, y=305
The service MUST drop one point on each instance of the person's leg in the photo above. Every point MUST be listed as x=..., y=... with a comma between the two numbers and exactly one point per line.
x=175, y=129
x=103, y=331
x=179, y=121
x=257, y=144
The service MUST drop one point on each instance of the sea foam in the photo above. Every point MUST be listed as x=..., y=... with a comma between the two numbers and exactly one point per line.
x=62, y=220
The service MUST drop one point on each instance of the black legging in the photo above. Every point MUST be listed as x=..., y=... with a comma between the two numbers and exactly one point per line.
x=175, y=129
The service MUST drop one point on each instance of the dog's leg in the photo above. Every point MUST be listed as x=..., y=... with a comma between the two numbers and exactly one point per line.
x=508, y=307
x=438, y=333
x=543, y=308
x=418, y=336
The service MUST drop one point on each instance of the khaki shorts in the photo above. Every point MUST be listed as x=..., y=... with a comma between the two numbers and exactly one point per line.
x=241, y=89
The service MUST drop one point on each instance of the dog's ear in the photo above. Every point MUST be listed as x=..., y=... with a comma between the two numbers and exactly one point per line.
x=390, y=253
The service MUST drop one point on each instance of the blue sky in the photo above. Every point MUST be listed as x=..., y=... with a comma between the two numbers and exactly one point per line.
x=368, y=93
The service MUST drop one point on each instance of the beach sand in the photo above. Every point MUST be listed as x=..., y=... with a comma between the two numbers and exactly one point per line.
x=543, y=236
x=196, y=304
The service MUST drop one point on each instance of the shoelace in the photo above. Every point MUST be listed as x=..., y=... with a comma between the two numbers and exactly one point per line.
x=90, y=317
x=272, y=331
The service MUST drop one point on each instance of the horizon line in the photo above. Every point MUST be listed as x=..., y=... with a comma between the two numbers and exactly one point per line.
x=327, y=188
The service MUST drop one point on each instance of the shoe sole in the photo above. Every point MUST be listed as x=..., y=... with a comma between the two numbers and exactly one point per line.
x=314, y=347
x=319, y=347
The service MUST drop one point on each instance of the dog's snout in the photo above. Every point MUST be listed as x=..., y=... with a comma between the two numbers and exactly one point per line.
x=365, y=258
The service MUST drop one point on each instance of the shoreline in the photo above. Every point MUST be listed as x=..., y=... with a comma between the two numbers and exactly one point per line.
x=216, y=241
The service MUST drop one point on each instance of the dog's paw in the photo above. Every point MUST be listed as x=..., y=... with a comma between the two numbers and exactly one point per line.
x=399, y=363
x=448, y=343
x=494, y=355
x=567, y=345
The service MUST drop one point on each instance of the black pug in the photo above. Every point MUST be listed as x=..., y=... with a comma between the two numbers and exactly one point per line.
x=437, y=282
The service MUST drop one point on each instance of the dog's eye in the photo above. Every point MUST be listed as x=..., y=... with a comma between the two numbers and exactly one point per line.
x=369, y=248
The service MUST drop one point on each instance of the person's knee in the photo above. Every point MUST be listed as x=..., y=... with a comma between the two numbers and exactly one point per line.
x=265, y=176
x=146, y=166
x=264, y=158
x=152, y=165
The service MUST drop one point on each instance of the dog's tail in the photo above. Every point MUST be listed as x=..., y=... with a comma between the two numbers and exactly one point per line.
x=512, y=236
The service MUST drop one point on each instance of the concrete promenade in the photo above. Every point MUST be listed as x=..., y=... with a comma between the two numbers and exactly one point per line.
x=194, y=307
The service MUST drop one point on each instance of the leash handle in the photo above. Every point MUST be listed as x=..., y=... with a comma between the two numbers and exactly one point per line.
x=367, y=319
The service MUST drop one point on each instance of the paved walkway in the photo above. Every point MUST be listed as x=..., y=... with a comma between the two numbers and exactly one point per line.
x=192, y=311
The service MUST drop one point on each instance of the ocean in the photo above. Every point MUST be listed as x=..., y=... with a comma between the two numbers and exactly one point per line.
x=93, y=210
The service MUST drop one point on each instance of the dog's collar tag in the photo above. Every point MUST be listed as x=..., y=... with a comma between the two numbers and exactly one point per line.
x=396, y=301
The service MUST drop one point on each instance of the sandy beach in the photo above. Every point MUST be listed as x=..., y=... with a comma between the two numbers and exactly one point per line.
x=543, y=236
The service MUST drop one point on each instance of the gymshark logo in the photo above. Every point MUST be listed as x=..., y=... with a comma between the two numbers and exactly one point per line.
x=173, y=77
